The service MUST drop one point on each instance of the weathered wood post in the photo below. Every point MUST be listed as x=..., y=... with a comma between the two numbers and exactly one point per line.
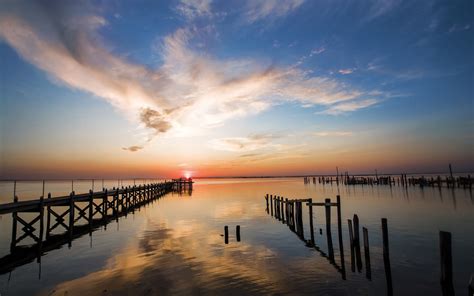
x=339, y=234
x=351, y=240
x=266, y=200
x=446, y=263
x=71, y=216
x=277, y=207
x=300, y=219
x=91, y=209
x=368, y=271
x=48, y=217
x=271, y=204
x=282, y=207
x=287, y=212
x=237, y=232
x=327, y=206
x=357, y=243
x=226, y=234
x=105, y=201
x=311, y=229
x=14, y=224
x=386, y=257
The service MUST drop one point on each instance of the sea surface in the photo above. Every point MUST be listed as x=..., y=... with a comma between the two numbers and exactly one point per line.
x=175, y=245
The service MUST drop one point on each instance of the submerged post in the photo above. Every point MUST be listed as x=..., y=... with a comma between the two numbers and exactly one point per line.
x=266, y=199
x=368, y=271
x=226, y=234
x=386, y=257
x=271, y=204
x=339, y=234
x=357, y=243
x=446, y=263
x=237, y=232
x=311, y=229
x=351, y=240
x=327, y=206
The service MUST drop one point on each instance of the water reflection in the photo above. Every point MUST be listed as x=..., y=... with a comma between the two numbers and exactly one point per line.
x=175, y=245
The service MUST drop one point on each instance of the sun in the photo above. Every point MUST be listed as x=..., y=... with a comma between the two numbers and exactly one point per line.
x=187, y=174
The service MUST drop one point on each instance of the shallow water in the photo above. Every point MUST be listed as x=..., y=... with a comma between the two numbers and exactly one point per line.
x=175, y=245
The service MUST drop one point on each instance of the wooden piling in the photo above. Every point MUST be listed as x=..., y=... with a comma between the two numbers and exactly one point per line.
x=357, y=243
x=271, y=204
x=446, y=263
x=311, y=229
x=14, y=225
x=351, y=240
x=282, y=212
x=368, y=271
x=386, y=257
x=226, y=234
x=339, y=234
x=327, y=207
x=237, y=232
x=266, y=199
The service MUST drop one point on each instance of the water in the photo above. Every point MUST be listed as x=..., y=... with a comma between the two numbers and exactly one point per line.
x=175, y=245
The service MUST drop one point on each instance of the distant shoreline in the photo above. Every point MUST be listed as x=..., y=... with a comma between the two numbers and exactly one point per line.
x=233, y=177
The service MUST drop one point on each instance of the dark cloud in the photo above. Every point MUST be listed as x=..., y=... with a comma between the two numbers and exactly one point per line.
x=154, y=119
x=133, y=148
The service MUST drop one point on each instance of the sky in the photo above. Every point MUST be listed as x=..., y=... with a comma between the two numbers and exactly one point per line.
x=94, y=89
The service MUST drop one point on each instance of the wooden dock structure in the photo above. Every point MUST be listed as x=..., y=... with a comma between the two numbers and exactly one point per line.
x=75, y=214
x=289, y=212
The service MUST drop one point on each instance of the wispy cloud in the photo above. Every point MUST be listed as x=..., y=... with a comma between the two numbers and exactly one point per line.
x=243, y=144
x=263, y=9
x=191, y=90
x=379, y=8
x=317, y=51
x=349, y=106
x=192, y=9
x=133, y=148
x=333, y=134
x=346, y=71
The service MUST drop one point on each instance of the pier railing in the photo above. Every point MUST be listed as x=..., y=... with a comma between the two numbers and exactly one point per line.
x=75, y=214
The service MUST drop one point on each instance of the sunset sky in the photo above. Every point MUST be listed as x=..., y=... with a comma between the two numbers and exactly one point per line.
x=226, y=88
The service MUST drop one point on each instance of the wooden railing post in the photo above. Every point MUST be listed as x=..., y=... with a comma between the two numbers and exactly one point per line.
x=327, y=207
x=14, y=226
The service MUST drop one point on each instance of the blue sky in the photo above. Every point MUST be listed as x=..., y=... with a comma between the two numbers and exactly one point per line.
x=235, y=87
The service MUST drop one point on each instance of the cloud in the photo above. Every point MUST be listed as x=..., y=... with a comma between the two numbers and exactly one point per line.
x=262, y=9
x=333, y=134
x=243, y=144
x=379, y=8
x=317, y=51
x=346, y=71
x=191, y=90
x=192, y=9
x=349, y=106
x=133, y=148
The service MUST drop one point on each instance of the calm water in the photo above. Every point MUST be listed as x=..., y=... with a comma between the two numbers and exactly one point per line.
x=175, y=245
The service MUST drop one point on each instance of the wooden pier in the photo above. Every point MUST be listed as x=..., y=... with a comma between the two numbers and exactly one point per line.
x=75, y=214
